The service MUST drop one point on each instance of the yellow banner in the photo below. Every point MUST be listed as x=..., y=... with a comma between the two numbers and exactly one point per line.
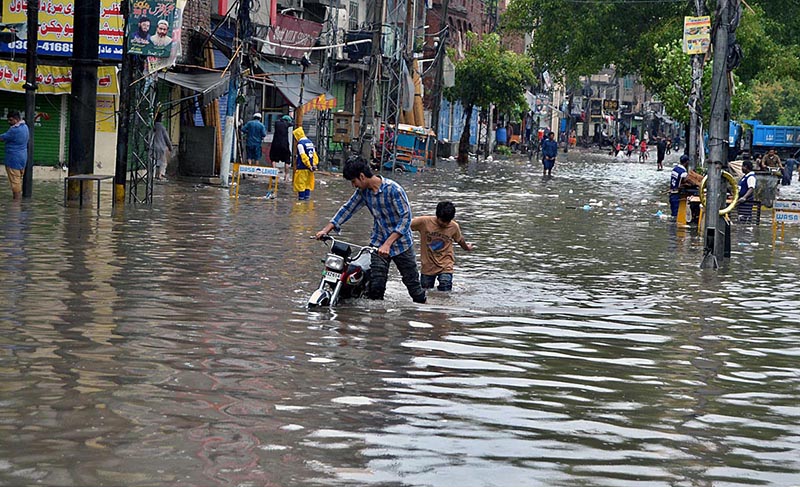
x=319, y=103
x=56, y=80
x=696, y=34
x=56, y=21
x=106, y=120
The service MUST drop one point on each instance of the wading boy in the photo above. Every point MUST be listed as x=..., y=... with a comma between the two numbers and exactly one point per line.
x=437, y=235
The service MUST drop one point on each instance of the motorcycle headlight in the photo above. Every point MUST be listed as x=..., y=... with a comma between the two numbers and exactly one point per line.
x=334, y=262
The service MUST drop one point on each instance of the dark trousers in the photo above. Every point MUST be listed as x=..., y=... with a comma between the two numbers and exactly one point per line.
x=407, y=265
x=674, y=204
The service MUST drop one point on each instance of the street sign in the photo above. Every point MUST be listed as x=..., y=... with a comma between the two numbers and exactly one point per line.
x=784, y=211
x=595, y=110
x=258, y=171
x=610, y=105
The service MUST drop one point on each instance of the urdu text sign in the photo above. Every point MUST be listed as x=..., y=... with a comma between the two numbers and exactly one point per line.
x=56, y=27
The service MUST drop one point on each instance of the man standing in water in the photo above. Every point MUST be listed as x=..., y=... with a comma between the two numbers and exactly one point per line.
x=16, y=140
x=391, y=232
x=549, y=153
x=676, y=182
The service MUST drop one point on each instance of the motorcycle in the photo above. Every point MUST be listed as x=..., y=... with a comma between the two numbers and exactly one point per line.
x=345, y=275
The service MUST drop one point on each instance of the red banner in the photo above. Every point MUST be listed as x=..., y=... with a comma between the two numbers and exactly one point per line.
x=290, y=35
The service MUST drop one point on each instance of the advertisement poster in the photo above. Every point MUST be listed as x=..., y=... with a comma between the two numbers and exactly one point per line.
x=696, y=34
x=290, y=32
x=151, y=29
x=56, y=26
x=55, y=80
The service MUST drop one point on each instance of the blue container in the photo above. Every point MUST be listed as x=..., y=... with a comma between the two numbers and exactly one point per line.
x=502, y=136
x=777, y=136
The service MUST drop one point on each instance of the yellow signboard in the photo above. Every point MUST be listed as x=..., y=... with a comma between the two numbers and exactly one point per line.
x=56, y=27
x=696, y=34
x=55, y=80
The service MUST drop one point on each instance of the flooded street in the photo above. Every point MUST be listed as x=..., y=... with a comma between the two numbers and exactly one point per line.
x=171, y=346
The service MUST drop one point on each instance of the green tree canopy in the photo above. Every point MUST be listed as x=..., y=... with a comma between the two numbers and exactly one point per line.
x=489, y=74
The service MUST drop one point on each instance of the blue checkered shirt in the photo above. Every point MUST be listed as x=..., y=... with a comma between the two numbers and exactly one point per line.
x=390, y=210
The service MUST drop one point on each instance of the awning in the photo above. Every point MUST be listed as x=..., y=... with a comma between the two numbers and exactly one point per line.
x=209, y=84
x=286, y=78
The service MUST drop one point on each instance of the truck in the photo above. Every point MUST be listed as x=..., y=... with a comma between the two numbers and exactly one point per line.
x=757, y=138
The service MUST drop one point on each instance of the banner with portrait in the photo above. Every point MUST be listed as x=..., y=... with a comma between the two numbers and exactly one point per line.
x=151, y=27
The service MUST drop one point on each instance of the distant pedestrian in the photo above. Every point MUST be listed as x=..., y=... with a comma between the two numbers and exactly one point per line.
x=643, y=150
x=162, y=147
x=254, y=132
x=549, y=153
x=280, y=150
x=661, y=151
x=16, y=140
x=436, y=237
x=788, y=169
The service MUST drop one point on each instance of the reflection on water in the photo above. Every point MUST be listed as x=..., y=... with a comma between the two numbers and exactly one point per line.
x=170, y=346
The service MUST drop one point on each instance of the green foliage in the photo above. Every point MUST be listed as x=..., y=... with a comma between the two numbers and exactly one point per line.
x=503, y=150
x=774, y=102
x=574, y=39
x=490, y=74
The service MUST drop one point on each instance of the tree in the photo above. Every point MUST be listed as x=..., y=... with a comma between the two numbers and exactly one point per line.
x=488, y=74
x=575, y=39
x=670, y=77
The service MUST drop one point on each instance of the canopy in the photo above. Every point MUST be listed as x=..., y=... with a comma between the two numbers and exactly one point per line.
x=209, y=84
x=286, y=78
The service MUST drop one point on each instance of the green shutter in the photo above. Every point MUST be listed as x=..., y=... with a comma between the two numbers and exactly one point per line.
x=46, y=134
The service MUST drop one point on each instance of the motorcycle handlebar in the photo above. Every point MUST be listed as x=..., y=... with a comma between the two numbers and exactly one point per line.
x=362, y=248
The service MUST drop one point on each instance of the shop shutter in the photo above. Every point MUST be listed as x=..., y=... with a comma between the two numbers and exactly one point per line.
x=47, y=133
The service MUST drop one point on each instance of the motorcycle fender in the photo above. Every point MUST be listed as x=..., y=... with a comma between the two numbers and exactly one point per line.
x=320, y=297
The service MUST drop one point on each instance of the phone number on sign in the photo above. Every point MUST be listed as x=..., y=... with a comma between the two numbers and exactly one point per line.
x=43, y=47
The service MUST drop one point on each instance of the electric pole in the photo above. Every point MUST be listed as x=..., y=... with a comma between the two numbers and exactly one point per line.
x=30, y=92
x=717, y=233
x=83, y=116
x=438, y=78
x=696, y=101
x=123, y=126
x=376, y=59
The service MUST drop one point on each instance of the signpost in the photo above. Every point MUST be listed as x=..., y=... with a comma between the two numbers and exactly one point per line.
x=258, y=171
x=783, y=212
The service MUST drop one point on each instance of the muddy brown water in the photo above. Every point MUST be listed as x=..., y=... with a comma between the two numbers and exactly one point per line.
x=170, y=345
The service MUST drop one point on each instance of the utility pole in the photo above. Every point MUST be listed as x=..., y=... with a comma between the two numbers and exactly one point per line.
x=438, y=78
x=368, y=109
x=123, y=126
x=82, y=117
x=696, y=100
x=717, y=228
x=242, y=35
x=30, y=92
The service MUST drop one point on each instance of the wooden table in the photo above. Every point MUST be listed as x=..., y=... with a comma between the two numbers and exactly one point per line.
x=82, y=178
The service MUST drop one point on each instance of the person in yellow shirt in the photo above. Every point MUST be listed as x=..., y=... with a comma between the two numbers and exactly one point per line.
x=437, y=236
x=306, y=164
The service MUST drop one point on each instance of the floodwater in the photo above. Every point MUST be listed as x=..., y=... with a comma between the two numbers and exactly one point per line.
x=170, y=345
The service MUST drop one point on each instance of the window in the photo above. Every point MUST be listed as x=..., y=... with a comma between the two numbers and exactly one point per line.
x=353, y=16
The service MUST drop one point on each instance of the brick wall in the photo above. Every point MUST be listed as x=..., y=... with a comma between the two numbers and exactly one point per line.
x=196, y=14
